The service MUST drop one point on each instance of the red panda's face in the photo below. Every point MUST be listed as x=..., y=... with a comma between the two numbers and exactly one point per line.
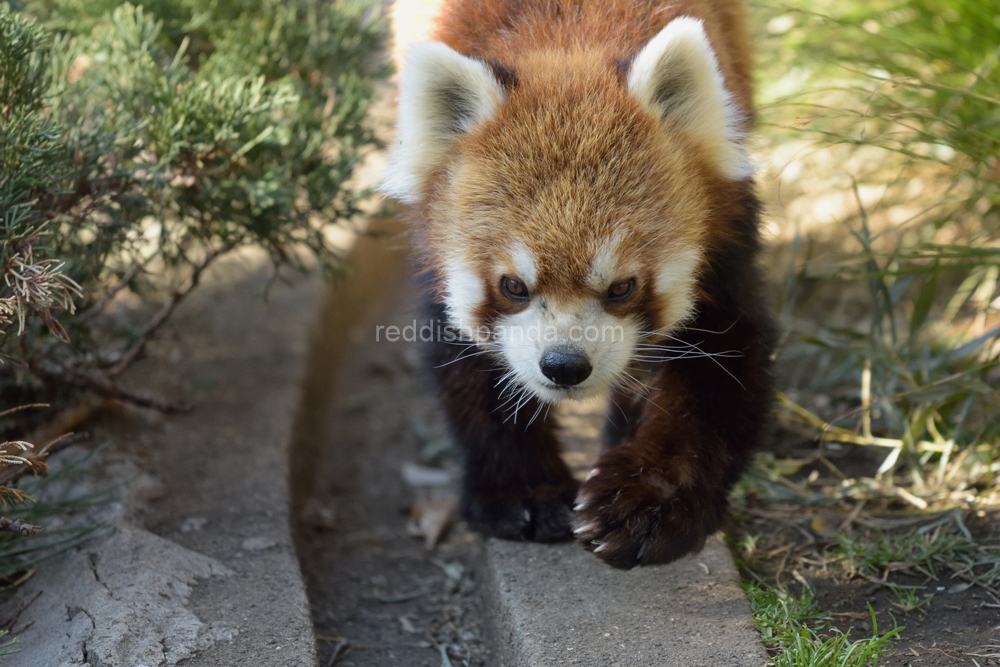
x=567, y=224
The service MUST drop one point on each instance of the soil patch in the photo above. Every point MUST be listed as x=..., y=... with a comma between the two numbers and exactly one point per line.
x=887, y=555
x=379, y=595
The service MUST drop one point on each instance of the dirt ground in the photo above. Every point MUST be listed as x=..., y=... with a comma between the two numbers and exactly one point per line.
x=379, y=596
x=953, y=629
x=958, y=625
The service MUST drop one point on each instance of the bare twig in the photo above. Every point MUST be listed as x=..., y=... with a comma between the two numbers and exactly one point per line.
x=68, y=420
x=126, y=278
x=165, y=311
x=18, y=527
x=846, y=524
x=12, y=621
x=23, y=407
x=102, y=385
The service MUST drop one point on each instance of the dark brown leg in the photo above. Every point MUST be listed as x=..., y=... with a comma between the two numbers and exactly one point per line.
x=659, y=494
x=624, y=415
x=515, y=485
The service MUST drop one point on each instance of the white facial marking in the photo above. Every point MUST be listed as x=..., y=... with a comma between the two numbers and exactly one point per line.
x=677, y=76
x=464, y=294
x=524, y=264
x=676, y=280
x=604, y=268
x=583, y=324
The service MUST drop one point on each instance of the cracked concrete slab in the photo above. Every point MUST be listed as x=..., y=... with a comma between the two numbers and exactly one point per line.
x=122, y=600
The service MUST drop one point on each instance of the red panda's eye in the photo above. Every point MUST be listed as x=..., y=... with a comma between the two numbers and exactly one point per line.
x=514, y=288
x=621, y=290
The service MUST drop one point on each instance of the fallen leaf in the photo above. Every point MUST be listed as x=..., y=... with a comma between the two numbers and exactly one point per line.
x=431, y=520
x=958, y=588
x=819, y=526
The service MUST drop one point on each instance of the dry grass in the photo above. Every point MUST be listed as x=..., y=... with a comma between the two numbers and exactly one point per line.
x=879, y=147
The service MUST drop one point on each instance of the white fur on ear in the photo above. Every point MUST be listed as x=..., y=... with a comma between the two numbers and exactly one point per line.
x=677, y=76
x=442, y=94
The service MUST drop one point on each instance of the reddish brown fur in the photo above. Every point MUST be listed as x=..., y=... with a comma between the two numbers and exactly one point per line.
x=506, y=31
x=524, y=170
x=569, y=121
x=570, y=157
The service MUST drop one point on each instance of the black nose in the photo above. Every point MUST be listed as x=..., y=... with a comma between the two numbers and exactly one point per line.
x=565, y=367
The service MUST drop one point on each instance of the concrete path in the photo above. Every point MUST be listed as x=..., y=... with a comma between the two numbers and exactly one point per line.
x=559, y=605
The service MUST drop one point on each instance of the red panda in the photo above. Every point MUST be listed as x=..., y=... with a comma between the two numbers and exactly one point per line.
x=576, y=177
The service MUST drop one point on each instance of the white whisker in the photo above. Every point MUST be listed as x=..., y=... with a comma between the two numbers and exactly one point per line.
x=463, y=356
x=538, y=411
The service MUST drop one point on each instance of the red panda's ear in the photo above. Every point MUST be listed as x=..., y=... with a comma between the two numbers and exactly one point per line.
x=442, y=95
x=676, y=75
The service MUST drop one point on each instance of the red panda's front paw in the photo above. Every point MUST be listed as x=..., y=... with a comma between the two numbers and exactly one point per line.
x=542, y=514
x=631, y=514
